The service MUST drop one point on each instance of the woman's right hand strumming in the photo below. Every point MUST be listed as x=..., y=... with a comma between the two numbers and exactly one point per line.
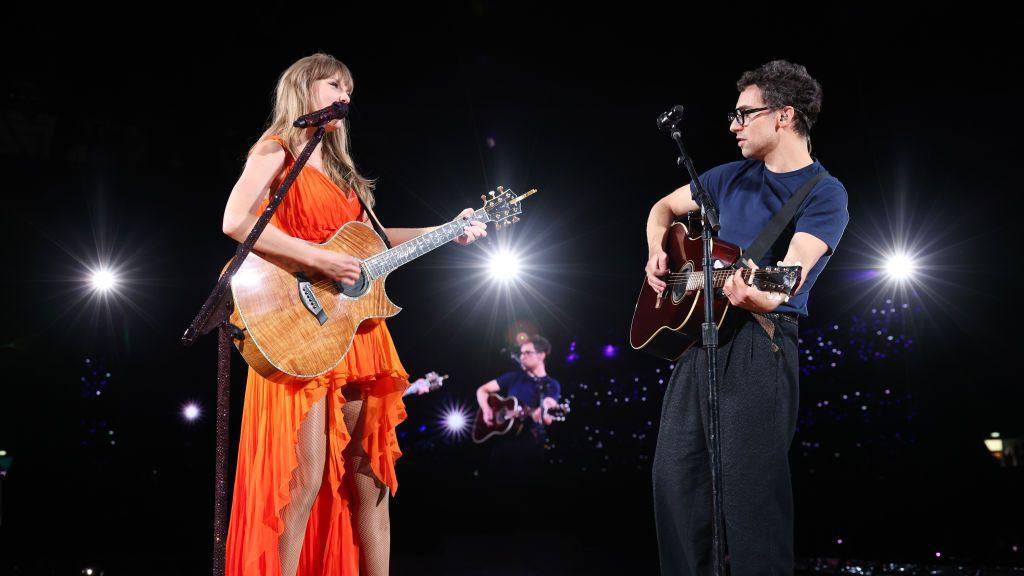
x=335, y=266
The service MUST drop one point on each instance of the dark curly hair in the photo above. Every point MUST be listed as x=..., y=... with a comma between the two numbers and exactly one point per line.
x=540, y=343
x=784, y=83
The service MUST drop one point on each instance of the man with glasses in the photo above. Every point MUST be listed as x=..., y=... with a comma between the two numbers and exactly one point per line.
x=758, y=359
x=518, y=459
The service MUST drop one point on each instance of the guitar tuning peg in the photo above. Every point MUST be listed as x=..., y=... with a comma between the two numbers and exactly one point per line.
x=492, y=193
x=483, y=197
x=515, y=219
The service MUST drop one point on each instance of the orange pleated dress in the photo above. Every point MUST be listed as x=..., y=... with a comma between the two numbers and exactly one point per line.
x=313, y=210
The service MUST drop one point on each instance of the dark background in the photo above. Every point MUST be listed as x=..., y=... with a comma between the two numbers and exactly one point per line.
x=120, y=143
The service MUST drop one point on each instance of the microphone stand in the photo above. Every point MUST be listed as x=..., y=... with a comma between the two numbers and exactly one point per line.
x=709, y=337
x=214, y=314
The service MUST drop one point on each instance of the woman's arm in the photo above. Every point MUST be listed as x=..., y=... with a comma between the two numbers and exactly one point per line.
x=242, y=212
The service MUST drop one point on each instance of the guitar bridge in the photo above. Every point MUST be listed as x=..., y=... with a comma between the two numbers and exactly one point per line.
x=309, y=299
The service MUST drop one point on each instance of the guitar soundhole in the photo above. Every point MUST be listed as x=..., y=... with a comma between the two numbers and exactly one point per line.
x=355, y=290
x=679, y=288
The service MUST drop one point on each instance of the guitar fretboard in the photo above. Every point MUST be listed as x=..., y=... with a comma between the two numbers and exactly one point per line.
x=389, y=260
x=695, y=280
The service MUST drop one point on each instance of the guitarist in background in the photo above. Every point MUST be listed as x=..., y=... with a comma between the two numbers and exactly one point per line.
x=518, y=459
x=758, y=359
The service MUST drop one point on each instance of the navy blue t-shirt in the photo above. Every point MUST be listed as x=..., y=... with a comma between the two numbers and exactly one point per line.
x=748, y=195
x=526, y=388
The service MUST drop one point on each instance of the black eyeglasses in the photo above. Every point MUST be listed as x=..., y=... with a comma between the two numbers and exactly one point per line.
x=743, y=116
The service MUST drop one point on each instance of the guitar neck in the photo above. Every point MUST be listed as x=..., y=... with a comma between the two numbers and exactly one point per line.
x=695, y=280
x=388, y=261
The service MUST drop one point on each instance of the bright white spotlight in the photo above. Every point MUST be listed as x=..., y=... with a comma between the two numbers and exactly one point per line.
x=900, y=267
x=504, y=266
x=455, y=421
x=103, y=280
x=191, y=412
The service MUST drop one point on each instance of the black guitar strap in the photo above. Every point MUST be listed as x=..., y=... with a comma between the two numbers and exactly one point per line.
x=376, y=223
x=778, y=223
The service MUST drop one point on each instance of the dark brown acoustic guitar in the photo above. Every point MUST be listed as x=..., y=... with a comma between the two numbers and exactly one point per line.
x=510, y=415
x=667, y=325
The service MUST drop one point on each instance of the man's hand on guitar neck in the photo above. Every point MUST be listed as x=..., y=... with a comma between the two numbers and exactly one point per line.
x=548, y=403
x=743, y=294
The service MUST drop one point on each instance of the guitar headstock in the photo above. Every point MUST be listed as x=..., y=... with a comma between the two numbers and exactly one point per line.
x=777, y=279
x=503, y=206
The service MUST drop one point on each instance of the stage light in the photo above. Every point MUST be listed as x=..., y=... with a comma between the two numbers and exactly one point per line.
x=995, y=446
x=103, y=280
x=455, y=421
x=900, y=267
x=191, y=412
x=610, y=351
x=504, y=266
x=3, y=453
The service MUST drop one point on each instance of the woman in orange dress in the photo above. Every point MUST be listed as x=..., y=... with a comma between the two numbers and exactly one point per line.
x=316, y=460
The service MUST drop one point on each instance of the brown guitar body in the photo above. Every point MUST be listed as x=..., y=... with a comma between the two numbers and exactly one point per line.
x=283, y=340
x=668, y=325
x=506, y=417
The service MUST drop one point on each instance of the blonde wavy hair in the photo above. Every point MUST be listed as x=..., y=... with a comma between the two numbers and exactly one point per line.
x=293, y=98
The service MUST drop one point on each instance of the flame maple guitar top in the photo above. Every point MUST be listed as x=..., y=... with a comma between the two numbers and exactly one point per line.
x=283, y=340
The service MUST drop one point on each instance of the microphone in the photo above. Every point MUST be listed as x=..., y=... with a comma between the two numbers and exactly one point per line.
x=668, y=120
x=320, y=117
x=512, y=355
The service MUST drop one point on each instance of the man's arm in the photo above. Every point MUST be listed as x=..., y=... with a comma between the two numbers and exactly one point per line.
x=664, y=211
x=803, y=248
x=482, y=393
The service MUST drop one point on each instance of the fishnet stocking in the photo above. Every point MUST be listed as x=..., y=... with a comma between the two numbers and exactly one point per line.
x=311, y=453
x=371, y=520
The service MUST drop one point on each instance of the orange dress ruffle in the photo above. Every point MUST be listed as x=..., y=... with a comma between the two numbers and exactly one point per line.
x=313, y=210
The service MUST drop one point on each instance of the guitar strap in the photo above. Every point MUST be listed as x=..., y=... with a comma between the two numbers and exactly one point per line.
x=770, y=233
x=373, y=220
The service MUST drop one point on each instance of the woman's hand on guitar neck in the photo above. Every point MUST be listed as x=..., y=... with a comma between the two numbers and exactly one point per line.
x=474, y=231
x=657, y=265
x=335, y=266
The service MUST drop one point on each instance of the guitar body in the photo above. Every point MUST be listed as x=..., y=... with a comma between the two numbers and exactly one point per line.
x=506, y=417
x=668, y=325
x=510, y=415
x=283, y=340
